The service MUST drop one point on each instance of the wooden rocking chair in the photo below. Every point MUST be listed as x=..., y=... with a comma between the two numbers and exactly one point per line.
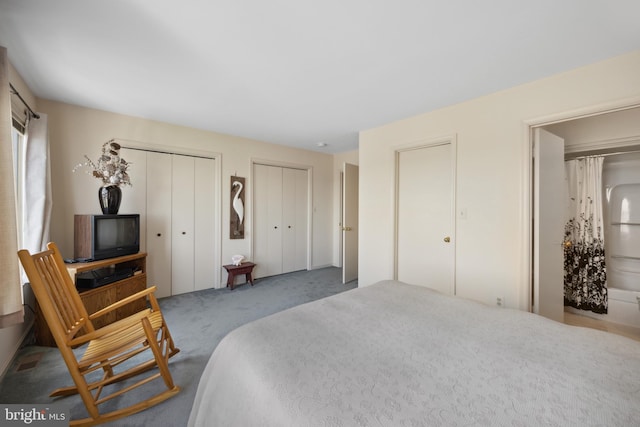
x=107, y=347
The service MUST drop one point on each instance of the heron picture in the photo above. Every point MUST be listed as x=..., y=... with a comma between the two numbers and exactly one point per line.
x=236, y=221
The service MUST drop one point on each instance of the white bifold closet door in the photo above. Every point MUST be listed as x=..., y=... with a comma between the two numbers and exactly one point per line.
x=179, y=211
x=192, y=232
x=158, y=197
x=280, y=219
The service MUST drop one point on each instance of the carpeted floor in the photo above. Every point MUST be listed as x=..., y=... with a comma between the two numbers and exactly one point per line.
x=198, y=321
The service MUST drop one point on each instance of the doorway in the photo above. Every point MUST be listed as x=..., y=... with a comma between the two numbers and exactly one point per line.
x=599, y=132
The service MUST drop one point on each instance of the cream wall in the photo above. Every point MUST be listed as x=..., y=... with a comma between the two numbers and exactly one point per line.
x=492, y=247
x=75, y=131
x=621, y=126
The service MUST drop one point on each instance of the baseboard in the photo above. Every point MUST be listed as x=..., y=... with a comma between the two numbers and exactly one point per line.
x=16, y=347
x=318, y=267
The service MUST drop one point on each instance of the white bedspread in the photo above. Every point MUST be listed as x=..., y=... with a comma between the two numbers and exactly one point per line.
x=393, y=354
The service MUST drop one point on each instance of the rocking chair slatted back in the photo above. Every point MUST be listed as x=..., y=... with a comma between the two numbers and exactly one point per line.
x=57, y=294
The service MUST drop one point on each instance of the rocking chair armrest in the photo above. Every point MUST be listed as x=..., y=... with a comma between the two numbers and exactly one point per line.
x=110, y=328
x=122, y=302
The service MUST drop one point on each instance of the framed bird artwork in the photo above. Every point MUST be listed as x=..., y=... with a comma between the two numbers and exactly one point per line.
x=236, y=219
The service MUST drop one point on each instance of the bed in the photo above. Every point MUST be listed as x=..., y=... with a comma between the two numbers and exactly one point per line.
x=393, y=354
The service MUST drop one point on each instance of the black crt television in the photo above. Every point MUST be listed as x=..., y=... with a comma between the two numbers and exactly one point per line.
x=105, y=236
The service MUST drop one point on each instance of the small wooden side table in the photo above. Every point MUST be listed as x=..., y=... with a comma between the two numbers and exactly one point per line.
x=245, y=268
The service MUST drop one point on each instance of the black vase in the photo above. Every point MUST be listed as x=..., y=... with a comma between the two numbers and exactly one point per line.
x=110, y=197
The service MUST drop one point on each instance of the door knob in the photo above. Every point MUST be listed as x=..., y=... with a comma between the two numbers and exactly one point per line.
x=447, y=239
x=346, y=228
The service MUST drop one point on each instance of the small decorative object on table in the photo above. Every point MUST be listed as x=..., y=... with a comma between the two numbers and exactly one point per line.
x=237, y=259
x=112, y=170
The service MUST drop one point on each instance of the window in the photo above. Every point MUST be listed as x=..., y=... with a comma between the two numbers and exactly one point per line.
x=17, y=140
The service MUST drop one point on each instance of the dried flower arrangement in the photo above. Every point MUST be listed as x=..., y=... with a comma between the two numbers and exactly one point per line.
x=110, y=167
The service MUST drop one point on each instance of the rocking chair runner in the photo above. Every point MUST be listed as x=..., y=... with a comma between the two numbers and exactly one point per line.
x=107, y=347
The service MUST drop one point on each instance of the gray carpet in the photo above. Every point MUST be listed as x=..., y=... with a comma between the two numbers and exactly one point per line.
x=197, y=321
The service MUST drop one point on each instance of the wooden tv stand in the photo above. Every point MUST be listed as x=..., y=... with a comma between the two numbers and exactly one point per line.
x=97, y=298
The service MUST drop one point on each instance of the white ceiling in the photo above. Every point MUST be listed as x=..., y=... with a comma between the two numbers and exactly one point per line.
x=300, y=72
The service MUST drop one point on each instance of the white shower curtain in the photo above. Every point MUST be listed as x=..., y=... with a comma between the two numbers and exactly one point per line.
x=585, y=274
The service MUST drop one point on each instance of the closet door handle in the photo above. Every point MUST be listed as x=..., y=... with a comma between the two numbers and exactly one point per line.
x=159, y=234
x=184, y=232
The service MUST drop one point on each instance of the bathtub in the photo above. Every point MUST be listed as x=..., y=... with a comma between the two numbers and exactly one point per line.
x=623, y=275
x=623, y=308
x=621, y=181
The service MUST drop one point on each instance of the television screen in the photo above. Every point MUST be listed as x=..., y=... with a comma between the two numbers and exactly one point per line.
x=116, y=232
x=105, y=236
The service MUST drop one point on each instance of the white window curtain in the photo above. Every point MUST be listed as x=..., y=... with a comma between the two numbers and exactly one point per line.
x=585, y=274
x=36, y=188
x=10, y=292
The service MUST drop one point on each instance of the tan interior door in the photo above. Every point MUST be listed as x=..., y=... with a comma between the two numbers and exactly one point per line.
x=548, y=220
x=350, y=223
x=425, y=246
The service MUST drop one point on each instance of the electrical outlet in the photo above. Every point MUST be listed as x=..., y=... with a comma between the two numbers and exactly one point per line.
x=500, y=301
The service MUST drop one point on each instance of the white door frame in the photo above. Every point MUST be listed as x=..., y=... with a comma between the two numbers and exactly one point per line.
x=525, y=298
x=415, y=145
